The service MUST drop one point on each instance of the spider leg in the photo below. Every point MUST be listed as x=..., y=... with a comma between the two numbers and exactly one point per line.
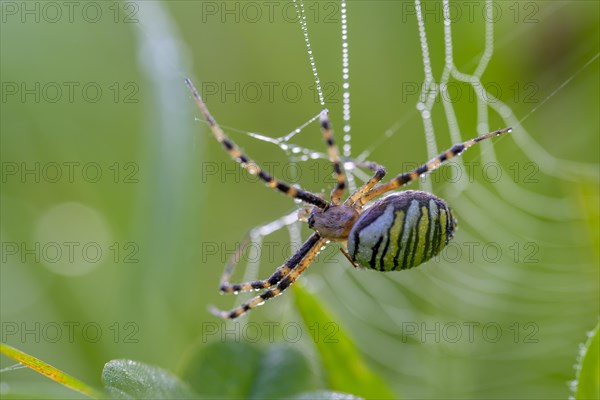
x=345, y=253
x=334, y=157
x=251, y=166
x=227, y=287
x=258, y=232
x=295, y=264
x=408, y=177
x=368, y=185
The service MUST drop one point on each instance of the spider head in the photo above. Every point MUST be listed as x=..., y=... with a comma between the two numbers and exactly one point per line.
x=333, y=223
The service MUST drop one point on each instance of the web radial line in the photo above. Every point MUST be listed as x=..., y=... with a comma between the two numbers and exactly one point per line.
x=299, y=5
x=489, y=40
x=482, y=109
x=298, y=129
x=548, y=163
x=453, y=127
x=555, y=208
x=256, y=236
x=424, y=45
x=449, y=55
x=251, y=269
x=428, y=93
x=446, y=74
x=391, y=131
x=345, y=81
x=560, y=87
x=283, y=141
x=347, y=138
x=454, y=130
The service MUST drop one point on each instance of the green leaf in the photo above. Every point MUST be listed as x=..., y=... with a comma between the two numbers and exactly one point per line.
x=344, y=368
x=588, y=370
x=127, y=379
x=49, y=371
x=283, y=371
x=222, y=369
x=242, y=370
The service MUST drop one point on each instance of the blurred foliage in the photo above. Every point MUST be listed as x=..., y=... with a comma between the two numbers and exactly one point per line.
x=240, y=370
x=588, y=368
x=217, y=370
x=169, y=205
x=343, y=366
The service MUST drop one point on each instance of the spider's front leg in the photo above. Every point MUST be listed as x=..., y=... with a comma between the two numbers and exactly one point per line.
x=408, y=177
x=294, y=266
x=248, y=164
x=368, y=185
x=334, y=156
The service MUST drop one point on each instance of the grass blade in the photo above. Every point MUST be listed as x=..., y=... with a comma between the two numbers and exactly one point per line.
x=49, y=371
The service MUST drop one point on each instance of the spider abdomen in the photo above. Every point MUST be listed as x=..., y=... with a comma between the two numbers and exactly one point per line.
x=401, y=231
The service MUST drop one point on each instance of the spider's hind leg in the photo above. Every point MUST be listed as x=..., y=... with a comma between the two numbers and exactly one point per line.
x=258, y=232
x=295, y=264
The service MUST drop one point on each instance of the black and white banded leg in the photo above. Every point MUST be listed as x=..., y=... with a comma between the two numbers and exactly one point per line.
x=251, y=166
x=295, y=265
x=255, y=237
x=408, y=177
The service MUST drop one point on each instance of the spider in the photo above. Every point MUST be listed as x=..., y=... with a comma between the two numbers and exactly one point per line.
x=399, y=231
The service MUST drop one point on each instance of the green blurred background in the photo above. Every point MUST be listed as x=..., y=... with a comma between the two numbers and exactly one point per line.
x=141, y=179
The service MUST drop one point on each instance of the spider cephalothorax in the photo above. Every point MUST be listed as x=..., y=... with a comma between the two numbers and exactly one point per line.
x=397, y=232
x=334, y=222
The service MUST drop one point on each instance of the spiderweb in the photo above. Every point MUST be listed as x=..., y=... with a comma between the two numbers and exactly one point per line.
x=527, y=224
x=547, y=273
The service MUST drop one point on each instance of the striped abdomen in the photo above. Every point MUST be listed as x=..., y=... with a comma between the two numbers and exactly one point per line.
x=401, y=231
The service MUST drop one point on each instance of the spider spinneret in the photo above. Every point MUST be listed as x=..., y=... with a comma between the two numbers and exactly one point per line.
x=400, y=231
